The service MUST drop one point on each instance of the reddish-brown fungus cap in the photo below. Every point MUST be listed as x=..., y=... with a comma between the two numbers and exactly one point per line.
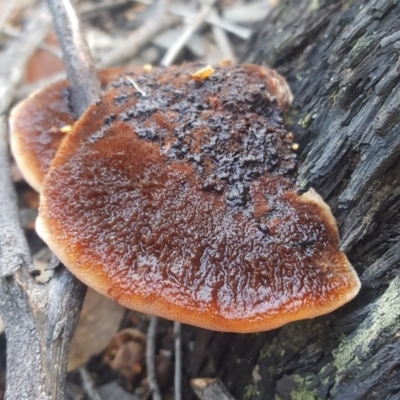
x=182, y=204
x=39, y=124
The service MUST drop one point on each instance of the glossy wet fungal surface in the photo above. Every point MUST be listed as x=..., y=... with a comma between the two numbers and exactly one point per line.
x=39, y=124
x=175, y=196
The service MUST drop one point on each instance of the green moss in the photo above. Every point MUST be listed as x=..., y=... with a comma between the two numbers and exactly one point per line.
x=266, y=351
x=249, y=391
x=333, y=96
x=361, y=45
x=314, y=5
x=302, y=392
x=306, y=121
x=210, y=368
x=323, y=372
x=291, y=117
x=302, y=184
x=383, y=319
x=295, y=336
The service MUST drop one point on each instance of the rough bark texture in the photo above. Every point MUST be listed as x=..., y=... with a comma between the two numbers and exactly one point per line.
x=341, y=59
x=39, y=319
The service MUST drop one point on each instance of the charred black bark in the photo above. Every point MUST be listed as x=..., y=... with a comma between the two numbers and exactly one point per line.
x=341, y=59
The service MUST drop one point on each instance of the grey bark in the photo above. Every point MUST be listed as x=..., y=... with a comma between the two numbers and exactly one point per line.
x=341, y=59
x=39, y=319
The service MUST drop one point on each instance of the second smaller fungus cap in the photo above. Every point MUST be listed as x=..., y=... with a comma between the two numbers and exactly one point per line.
x=40, y=123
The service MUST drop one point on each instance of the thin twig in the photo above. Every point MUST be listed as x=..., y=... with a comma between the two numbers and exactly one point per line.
x=150, y=358
x=178, y=361
x=175, y=49
x=82, y=77
x=88, y=384
x=140, y=37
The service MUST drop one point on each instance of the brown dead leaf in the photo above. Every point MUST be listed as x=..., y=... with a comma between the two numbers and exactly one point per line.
x=126, y=354
x=30, y=198
x=98, y=323
x=43, y=64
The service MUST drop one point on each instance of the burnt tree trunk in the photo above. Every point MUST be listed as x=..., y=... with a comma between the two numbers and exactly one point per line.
x=341, y=59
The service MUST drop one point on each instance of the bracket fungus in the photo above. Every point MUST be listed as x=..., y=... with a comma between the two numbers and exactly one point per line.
x=176, y=197
x=39, y=123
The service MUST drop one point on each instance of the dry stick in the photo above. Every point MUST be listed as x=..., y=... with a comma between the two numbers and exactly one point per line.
x=82, y=77
x=150, y=358
x=136, y=40
x=178, y=361
x=175, y=49
x=39, y=319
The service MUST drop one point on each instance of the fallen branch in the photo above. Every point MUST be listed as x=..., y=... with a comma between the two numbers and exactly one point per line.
x=83, y=82
x=39, y=319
